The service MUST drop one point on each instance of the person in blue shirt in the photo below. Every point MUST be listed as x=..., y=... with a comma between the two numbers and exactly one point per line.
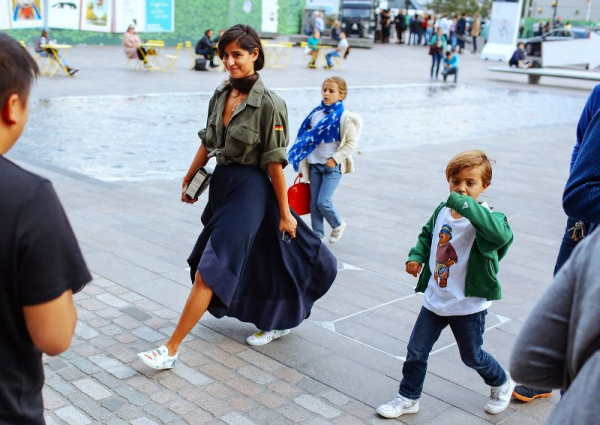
x=580, y=201
x=450, y=65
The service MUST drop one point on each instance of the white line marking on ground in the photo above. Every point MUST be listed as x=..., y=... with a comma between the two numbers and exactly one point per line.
x=374, y=308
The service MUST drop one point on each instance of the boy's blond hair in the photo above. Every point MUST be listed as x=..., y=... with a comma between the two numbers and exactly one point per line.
x=468, y=159
x=341, y=83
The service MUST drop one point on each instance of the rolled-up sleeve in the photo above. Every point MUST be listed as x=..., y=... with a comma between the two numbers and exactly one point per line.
x=275, y=136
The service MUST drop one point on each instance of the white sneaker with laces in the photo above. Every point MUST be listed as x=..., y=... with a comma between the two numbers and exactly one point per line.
x=337, y=232
x=500, y=396
x=264, y=337
x=158, y=358
x=398, y=406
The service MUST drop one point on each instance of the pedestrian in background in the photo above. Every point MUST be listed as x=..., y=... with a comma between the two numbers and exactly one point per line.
x=461, y=32
x=400, y=23
x=437, y=46
x=132, y=45
x=41, y=265
x=451, y=63
x=323, y=152
x=476, y=30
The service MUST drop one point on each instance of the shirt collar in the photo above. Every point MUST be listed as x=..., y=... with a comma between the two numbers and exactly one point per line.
x=254, y=96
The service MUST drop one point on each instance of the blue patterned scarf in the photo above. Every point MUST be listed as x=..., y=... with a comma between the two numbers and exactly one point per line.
x=327, y=130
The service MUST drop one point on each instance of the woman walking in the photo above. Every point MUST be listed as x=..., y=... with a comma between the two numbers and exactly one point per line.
x=436, y=47
x=323, y=152
x=255, y=260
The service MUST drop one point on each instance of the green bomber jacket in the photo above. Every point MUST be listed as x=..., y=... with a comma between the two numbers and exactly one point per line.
x=493, y=236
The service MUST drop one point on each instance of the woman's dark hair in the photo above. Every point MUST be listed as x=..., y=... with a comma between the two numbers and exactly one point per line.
x=247, y=38
x=17, y=70
x=207, y=31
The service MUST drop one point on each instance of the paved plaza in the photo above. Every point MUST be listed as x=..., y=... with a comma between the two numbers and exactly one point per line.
x=116, y=143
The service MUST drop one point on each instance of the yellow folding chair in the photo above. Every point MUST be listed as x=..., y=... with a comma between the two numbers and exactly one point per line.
x=171, y=59
x=44, y=64
x=191, y=53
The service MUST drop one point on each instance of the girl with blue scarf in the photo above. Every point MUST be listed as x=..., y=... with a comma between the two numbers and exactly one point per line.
x=323, y=152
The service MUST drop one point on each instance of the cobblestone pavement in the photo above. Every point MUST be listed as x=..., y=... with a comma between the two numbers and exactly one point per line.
x=216, y=379
x=346, y=359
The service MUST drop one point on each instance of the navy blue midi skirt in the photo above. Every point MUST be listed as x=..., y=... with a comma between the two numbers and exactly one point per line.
x=255, y=276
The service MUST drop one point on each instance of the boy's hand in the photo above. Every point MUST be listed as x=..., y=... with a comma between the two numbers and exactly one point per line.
x=413, y=267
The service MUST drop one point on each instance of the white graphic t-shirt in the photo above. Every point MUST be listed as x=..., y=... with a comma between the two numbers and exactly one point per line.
x=450, y=249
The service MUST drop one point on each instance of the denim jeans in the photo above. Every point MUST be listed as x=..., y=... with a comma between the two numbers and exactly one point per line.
x=450, y=71
x=50, y=53
x=436, y=59
x=328, y=58
x=468, y=331
x=323, y=182
x=567, y=245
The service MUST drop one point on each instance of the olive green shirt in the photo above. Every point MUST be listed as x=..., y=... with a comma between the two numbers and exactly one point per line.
x=257, y=133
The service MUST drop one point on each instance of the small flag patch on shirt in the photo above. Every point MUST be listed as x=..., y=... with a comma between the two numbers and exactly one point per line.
x=278, y=128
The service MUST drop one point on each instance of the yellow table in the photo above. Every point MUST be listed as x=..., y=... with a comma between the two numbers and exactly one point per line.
x=58, y=52
x=154, y=60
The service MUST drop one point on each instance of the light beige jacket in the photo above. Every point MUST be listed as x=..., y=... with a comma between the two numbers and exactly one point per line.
x=476, y=30
x=350, y=129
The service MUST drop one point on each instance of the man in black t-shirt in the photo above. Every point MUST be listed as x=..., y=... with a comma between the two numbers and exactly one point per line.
x=41, y=265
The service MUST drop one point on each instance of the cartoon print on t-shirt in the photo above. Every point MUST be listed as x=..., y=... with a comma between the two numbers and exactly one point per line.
x=445, y=256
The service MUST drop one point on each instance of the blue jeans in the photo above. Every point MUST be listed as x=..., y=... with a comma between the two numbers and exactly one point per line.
x=468, y=331
x=323, y=182
x=428, y=35
x=450, y=71
x=436, y=59
x=567, y=244
x=328, y=58
x=50, y=53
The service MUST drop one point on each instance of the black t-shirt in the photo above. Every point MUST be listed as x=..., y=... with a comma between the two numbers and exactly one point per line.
x=39, y=261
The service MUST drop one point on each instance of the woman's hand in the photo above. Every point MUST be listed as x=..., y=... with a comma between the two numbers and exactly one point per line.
x=413, y=267
x=331, y=163
x=184, y=197
x=288, y=224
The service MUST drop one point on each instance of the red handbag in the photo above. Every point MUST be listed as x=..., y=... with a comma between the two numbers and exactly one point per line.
x=299, y=196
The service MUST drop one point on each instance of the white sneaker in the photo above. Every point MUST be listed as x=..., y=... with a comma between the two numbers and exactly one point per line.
x=397, y=407
x=337, y=232
x=264, y=337
x=158, y=359
x=500, y=396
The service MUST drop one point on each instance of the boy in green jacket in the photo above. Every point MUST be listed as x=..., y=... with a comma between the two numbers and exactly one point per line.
x=461, y=246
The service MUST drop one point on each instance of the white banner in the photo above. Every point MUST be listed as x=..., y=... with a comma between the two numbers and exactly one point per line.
x=64, y=14
x=504, y=29
x=129, y=12
x=26, y=14
x=4, y=14
x=96, y=15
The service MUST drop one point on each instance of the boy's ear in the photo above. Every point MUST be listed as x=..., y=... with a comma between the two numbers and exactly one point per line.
x=9, y=109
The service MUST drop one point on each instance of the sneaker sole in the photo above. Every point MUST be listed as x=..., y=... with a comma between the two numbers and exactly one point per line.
x=260, y=343
x=150, y=364
x=528, y=399
x=405, y=412
x=496, y=411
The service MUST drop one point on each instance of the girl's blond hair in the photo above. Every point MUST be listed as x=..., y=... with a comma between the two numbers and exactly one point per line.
x=341, y=83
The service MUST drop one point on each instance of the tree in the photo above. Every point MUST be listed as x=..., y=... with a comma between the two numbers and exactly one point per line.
x=454, y=6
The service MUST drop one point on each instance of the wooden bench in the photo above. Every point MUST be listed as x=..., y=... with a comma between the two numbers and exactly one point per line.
x=534, y=74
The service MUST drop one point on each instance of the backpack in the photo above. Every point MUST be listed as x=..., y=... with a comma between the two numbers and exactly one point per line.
x=201, y=64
